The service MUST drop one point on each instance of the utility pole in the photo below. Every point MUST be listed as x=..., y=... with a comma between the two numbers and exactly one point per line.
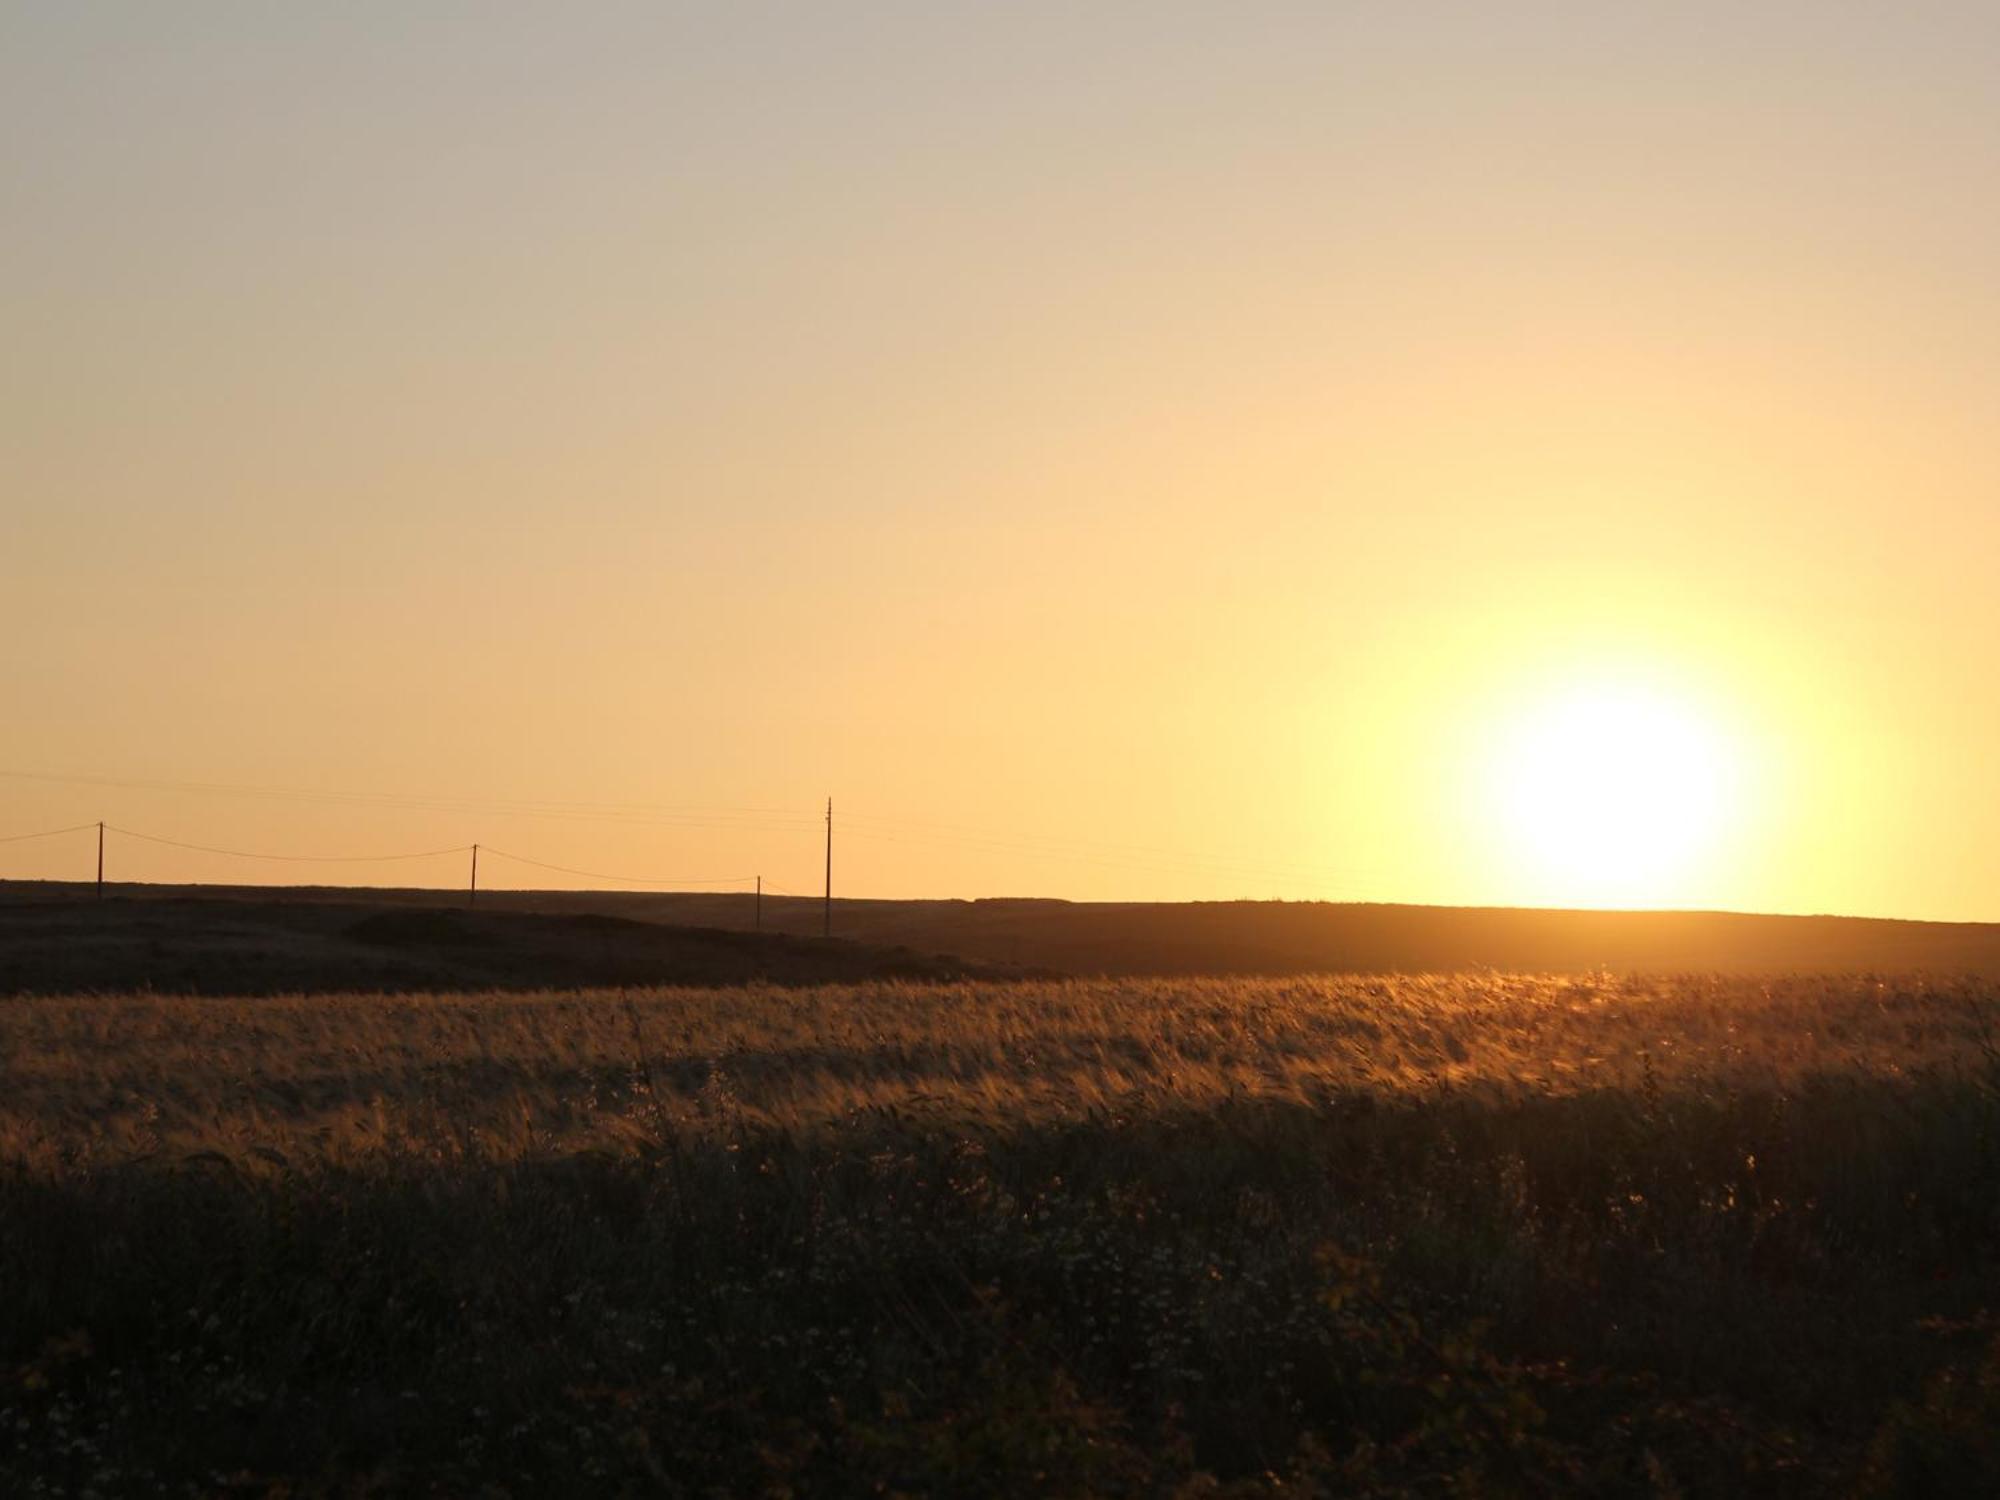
x=826, y=923
x=472, y=891
x=100, y=861
x=760, y=903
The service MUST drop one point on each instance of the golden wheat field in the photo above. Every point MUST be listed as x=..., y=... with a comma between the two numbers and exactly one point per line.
x=113, y=1078
x=1480, y=1234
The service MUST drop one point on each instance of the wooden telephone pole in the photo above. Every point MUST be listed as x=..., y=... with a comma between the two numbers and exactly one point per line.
x=826, y=920
x=472, y=890
x=100, y=861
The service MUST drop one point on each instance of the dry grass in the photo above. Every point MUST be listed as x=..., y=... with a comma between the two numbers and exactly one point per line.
x=1491, y=1234
x=108, y=1078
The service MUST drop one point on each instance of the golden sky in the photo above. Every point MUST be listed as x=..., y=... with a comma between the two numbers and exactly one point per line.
x=1117, y=451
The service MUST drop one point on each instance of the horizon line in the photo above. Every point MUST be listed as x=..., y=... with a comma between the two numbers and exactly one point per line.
x=820, y=897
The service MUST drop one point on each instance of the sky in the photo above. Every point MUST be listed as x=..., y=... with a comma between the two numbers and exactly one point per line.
x=1115, y=452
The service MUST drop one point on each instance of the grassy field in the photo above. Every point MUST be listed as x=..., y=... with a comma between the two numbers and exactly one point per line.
x=1471, y=1235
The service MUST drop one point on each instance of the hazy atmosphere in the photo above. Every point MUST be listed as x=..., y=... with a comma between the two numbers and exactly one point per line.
x=964, y=752
x=1535, y=454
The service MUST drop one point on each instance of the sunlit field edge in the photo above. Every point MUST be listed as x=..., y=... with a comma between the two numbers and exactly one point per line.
x=1507, y=1234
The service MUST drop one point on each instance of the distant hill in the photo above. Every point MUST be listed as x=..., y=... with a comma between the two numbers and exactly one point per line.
x=253, y=944
x=1231, y=937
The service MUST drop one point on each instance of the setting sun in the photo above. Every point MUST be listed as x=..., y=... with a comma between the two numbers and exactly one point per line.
x=1610, y=794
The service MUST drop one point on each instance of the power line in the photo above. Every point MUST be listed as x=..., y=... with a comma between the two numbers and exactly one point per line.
x=658, y=880
x=150, y=838
x=620, y=812
x=740, y=820
x=15, y=838
x=1037, y=849
x=313, y=859
x=873, y=826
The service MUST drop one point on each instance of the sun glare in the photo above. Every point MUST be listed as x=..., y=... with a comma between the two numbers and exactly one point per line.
x=1613, y=795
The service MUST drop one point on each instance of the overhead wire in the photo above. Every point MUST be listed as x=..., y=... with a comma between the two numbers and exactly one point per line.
x=626, y=812
x=875, y=827
x=15, y=838
x=858, y=823
x=655, y=880
x=313, y=859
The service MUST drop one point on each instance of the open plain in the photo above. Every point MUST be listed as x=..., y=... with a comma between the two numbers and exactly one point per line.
x=1500, y=1234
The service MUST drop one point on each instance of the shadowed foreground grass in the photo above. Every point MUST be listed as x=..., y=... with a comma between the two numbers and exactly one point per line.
x=1480, y=1235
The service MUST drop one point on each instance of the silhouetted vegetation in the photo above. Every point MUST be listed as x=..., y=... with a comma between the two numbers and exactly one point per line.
x=1494, y=1236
